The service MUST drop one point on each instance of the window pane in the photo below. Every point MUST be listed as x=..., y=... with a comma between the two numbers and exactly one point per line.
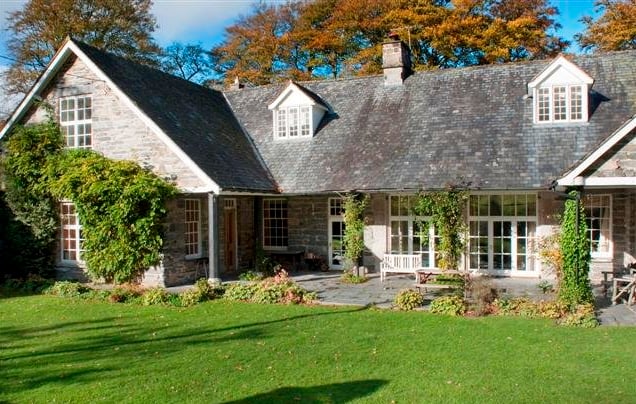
x=576, y=103
x=543, y=104
x=559, y=103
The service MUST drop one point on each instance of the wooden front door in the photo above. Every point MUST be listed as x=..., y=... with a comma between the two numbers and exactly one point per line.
x=229, y=224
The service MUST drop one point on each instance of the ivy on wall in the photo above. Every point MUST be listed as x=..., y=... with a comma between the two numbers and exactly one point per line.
x=445, y=209
x=354, y=205
x=575, y=287
x=121, y=206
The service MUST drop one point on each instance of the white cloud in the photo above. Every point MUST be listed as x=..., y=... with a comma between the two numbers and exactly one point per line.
x=196, y=20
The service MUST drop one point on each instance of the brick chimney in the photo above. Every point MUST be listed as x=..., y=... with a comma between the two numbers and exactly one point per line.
x=396, y=61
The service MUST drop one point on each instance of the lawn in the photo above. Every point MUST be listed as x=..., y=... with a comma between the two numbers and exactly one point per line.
x=65, y=350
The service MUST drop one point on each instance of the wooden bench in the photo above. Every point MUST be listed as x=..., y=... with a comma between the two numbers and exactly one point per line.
x=400, y=263
x=425, y=278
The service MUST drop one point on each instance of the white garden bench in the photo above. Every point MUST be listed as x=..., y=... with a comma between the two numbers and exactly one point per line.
x=400, y=263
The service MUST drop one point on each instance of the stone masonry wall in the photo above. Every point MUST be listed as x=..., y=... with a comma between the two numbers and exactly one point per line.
x=118, y=133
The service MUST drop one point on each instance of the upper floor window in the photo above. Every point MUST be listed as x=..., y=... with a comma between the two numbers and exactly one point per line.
x=76, y=121
x=293, y=122
x=559, y=103
x=560, y=92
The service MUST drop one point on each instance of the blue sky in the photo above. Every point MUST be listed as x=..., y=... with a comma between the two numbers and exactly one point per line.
x=204, y=20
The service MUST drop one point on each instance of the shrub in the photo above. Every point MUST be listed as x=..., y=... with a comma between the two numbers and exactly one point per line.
x=483, y=295
x=125, y=294
x=251, y=276
x=240, y=291
x=545, y=286
x=67, y=289
x=190, y=298
x=350, y=277
x=449, y=305
x=154, y=296
x=583, y=316
x=408, y=299
x=277, y=289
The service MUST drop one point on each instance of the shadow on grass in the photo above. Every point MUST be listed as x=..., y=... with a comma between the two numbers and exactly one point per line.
x=82, y=351
x=328, y=393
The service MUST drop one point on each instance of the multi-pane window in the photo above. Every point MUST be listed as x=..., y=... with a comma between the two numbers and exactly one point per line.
x=502, y=232
x=275, y=225
x=562, y=103
x=71, y=240
x=293, y=122
x=598, y=218
x=192, y=228
x=76, y=121
x=409, y=233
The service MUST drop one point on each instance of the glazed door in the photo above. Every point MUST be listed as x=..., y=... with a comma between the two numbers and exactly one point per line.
x=336, y=246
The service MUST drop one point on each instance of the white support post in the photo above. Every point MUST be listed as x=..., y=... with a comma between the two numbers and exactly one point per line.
x=213, y=238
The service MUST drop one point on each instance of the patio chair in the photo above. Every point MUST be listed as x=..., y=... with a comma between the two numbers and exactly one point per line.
x=624, y=288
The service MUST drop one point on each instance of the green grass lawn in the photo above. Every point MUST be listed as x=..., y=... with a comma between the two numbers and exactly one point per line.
x=65, y=350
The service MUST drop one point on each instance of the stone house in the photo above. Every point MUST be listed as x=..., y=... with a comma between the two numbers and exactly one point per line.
x=264, y=168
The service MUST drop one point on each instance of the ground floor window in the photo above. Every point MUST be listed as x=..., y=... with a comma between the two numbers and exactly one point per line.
x=71, y=240
x=409, y=233
x=598, y=209
x=275, y=223
x=192, y=228
x=502, y=231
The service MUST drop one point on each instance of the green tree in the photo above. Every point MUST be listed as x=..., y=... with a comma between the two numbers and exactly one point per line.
x=615, y=29
x=29, y=216
x=575, y=287
x=123, y=27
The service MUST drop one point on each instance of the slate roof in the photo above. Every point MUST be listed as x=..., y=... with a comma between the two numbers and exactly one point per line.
x=472, y=124
x=196, y=118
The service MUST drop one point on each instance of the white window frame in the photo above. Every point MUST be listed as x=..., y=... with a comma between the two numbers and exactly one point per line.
x=293, y=122
x=545, y=103
x=592, y=202
x=192, y=228
x=412, y=237
x=69, y=222
x=77, y=122
x=489, y=218
x=276, y=227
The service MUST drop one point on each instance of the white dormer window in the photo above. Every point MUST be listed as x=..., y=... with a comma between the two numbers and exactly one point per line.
x=293, y=122
x=559, y=103
x=560, y=93
x=296, y=113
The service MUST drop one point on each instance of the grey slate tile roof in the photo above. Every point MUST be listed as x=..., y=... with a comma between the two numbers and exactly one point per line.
x=196, y=118
x=473, y=124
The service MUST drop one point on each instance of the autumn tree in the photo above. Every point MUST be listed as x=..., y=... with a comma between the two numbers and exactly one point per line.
x=343, y=37
x=190, y=62
x=122, y=27
x=615, y=29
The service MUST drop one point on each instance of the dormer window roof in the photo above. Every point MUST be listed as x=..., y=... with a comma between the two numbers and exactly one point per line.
x=297, y=112
x=560, y=93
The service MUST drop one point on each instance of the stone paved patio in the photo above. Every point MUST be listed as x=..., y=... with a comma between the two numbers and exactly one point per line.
x=330, y=290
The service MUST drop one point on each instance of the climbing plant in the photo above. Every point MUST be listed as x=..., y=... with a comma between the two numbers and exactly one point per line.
x=121, y=207
x=354, y=205
x=575, y=287
x=445, y=209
